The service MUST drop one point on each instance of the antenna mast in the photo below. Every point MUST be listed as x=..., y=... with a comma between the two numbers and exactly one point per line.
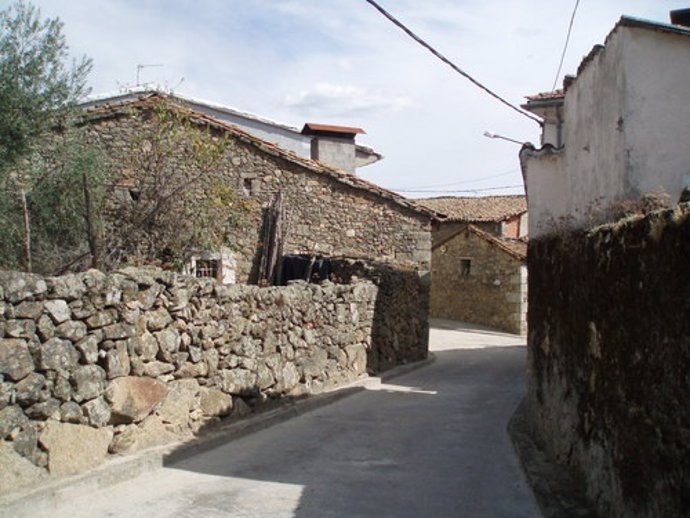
x=140, y=67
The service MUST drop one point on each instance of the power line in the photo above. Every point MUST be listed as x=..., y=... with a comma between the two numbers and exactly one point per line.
x=463, y=181
x=447, y=61
x=565, y=46
x=463, y=190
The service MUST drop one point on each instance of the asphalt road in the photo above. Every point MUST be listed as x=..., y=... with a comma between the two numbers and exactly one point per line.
x=430, y=443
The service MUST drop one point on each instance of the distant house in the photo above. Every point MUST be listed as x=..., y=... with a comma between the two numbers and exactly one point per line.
x=616, y=133
x=478, y=260
x=328, y=211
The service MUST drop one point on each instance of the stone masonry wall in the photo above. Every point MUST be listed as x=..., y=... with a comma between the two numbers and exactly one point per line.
x=92, y=364
x=400, y=328
x=609, y=360
x=491, y=294
x=324, y=216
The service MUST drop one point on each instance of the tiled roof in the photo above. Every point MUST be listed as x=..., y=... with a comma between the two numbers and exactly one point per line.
x=344, y=177
x=477, y=209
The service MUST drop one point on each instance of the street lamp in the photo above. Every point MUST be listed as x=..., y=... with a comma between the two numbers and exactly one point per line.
x=488, y=134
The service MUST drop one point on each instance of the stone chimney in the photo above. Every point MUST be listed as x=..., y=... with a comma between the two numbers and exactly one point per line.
x=333, y=145
x=680, y=17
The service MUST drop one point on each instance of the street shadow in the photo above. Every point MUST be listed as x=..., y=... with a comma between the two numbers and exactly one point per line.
x=431, y=442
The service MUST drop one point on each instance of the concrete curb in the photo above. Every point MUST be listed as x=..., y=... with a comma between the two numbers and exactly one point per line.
x=39, y=501
x=557, y=492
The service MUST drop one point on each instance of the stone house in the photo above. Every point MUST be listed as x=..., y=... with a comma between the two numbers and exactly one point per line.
x=328, y=211
x=478, y=261
x=616, y=133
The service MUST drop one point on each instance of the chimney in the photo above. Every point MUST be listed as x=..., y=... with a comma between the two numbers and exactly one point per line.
x=333, y=145
x=680, y=17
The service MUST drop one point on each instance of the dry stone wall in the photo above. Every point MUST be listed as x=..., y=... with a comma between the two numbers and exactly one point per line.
x=609, y=357
x=92, y=364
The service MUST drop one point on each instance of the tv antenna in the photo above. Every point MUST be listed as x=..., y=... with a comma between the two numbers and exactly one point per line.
x=140, y=67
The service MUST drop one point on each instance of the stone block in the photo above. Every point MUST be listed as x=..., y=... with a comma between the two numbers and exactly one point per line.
x=97, y=412
x=72, y=330
x=30, y=310
x=146, y=346
x=21, y=286
x=17, y=471
x=151, y=432
x=88, y=347
x=182, y=397
x=67, y=287
x=58, y=310
x=49, y=409
x=74, y=448
x=11, y=417
x=117, y=361
x=89, y=382
x=15, y=359
x=20, y=328
x=238, y=381
x=32, y=389
x=132, y=398
x=155, y=369
x=118, y=331
x=158, y=319
x=57, y=354
x=101, y=319
x=215, y=403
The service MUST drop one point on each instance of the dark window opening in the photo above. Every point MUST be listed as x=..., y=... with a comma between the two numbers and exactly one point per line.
x=465, y=267
x=208, y=268
x=247, y=186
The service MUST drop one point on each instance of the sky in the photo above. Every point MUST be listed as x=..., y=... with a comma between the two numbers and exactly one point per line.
x=341, y=62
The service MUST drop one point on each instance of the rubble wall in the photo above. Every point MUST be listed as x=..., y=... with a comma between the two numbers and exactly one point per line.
x=609, y=357
x=94, y=364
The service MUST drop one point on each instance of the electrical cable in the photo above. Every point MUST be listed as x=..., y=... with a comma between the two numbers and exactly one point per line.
x=463, y=190
x=463, y=181
x=447, y=61
x=565, y=46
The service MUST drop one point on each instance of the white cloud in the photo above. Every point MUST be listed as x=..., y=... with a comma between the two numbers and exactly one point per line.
x=344, y=101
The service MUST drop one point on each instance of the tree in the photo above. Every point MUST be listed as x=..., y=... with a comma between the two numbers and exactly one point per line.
x=37, y=93
x=175, y=204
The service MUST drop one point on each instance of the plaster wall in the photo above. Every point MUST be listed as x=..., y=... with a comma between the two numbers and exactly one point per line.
x=285, y=138
x=626, y=128
x=337, y=152
x=657, y=113
x=546, y=191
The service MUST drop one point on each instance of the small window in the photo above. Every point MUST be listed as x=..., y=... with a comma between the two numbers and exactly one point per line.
x=465, y=267
x=247, y=186
x=208, y=268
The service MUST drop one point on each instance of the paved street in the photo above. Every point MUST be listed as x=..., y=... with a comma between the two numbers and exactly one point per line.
x=429, y=443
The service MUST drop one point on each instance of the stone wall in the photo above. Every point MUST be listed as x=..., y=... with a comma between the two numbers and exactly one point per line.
x=400, y=329
x=609, y=357
x=324, y=217
x=493, y=291
x=93, y=363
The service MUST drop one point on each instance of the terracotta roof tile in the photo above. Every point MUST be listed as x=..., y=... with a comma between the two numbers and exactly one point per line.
x=476, y=209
